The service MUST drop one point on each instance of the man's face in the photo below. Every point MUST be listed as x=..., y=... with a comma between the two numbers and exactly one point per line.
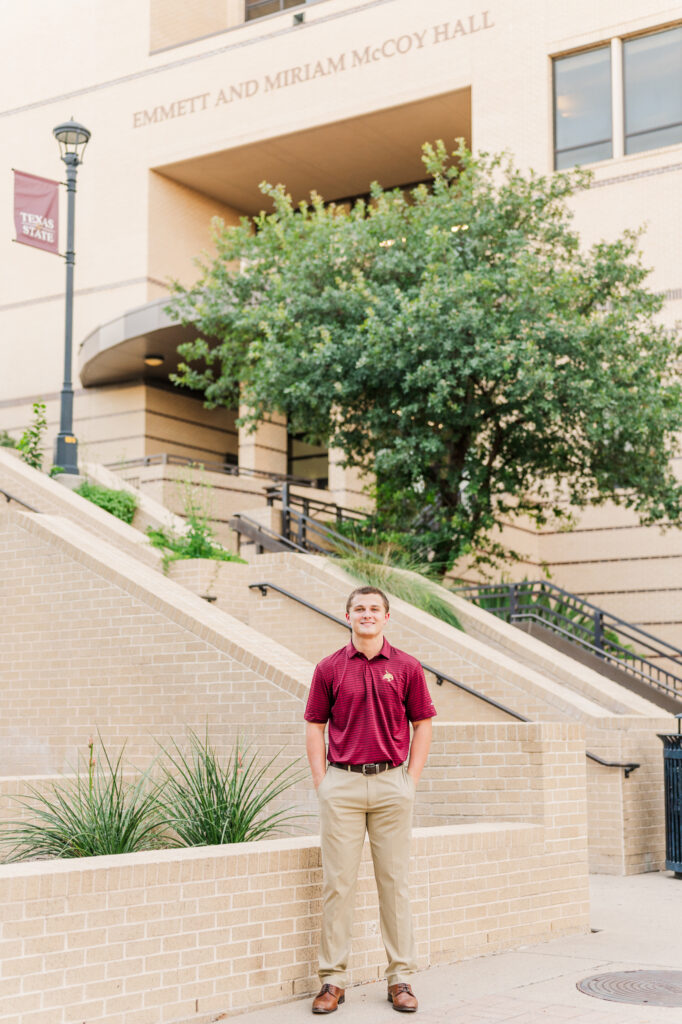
x=367, y=616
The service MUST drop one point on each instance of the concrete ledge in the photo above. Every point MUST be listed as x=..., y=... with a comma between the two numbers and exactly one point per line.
x=49, y=496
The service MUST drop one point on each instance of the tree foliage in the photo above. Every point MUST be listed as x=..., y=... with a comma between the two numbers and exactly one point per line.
x=459, y=341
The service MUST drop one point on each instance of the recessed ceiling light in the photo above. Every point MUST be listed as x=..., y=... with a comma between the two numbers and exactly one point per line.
x=153, y=360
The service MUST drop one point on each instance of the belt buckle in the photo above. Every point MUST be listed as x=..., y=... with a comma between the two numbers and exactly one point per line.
x=373, y=766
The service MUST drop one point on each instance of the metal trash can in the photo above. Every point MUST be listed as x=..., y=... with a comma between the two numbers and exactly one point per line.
x=672, y=780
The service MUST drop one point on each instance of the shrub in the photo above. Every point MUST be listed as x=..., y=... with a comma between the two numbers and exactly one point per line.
x=95, y=813
x=121, y=504
x=208, y=803
x=6, y=440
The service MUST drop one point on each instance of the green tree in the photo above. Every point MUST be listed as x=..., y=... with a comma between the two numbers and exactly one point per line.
x=457, y=341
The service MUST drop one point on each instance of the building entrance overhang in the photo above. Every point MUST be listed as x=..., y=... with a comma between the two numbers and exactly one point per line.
x=337, y=160
x=116, y=351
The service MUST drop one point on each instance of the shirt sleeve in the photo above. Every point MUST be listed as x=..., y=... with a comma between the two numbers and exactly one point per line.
x=418, y=703
x=318, y=708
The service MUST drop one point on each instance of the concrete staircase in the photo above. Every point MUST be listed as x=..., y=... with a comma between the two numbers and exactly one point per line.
x=516, y=670
x=625, y=813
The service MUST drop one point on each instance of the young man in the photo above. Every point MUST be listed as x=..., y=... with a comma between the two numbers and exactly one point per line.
x=369, y=692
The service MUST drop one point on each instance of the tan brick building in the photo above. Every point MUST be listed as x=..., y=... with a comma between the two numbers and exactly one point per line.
x=192, y=103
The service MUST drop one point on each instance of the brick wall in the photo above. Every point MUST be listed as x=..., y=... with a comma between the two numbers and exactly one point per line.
x=503, y=663
x=93, y=639
x=184, y=935
x=518, y=685
x=97, y=640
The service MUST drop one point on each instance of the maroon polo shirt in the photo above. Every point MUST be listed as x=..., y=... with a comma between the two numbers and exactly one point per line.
x=369, y=703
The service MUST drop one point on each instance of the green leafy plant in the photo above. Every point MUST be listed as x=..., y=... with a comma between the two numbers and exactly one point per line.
x=6, y=440
x=96, y=813
x=399, y=574
x=199, y=540
x=121, y=504
x=30, y=444
x=208, y=803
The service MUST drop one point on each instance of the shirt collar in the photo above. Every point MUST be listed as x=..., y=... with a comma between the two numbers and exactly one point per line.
x=385, y=652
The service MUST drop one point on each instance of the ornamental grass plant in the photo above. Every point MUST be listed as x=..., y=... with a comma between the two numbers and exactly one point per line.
x=196, y=800
x=396, y=572
x=95, y=813
x=208, y=802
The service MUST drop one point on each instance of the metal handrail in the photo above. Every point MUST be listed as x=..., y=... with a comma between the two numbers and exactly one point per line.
x=239, y=517
x=169, y=459
x=440, y=676
x=628, y=768
x=340, y=512
x=265, y=585
x=12, y=497
x=589, y=634
x=306, y=525
x=530, y=617
x=304, y=544
x=580, y=602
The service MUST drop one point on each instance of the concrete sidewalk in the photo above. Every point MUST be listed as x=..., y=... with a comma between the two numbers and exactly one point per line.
x=637, y=925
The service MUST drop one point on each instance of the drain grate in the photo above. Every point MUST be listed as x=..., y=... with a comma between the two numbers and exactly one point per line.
x=655, y=988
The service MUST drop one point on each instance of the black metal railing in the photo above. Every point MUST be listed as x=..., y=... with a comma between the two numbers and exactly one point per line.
x=313, y=506
x=615, y=641
x=263, y=537
x=168, y=459
x=672, y=787
x=12, y=497
x=304, y=535
x=303, y=522
x=441, y=677
x=317, y=537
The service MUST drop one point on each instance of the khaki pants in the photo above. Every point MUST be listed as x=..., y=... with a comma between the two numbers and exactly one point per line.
x=381, y=805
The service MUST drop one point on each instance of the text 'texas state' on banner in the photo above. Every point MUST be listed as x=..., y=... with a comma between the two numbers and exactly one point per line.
x=36, y=211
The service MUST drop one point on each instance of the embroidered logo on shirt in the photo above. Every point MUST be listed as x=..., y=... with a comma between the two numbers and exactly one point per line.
x=388, y=677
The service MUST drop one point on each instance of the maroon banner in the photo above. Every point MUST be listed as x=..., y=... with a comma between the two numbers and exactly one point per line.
x=36, y=211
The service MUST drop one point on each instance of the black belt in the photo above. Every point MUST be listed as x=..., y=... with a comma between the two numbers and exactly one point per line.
x=366, y=769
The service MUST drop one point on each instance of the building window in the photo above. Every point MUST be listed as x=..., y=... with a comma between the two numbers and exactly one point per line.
x=260, y=8
x=652, y=85
x=307, y=461
x=582, y=108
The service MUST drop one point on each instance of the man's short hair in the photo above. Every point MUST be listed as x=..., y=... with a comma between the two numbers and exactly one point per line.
x=367, y=590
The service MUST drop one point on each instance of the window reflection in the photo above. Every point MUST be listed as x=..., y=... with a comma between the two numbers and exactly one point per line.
x=261, y=8
x=307, y=461
x=652, y=75
x=582, y=108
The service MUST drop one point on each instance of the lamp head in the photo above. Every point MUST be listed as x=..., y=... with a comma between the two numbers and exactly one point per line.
x=72, y=138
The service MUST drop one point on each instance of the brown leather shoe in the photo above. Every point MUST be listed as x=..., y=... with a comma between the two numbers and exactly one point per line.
x=403, y=998
x=328, y=999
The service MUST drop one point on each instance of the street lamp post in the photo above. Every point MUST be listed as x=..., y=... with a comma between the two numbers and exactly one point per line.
x=72, y=138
